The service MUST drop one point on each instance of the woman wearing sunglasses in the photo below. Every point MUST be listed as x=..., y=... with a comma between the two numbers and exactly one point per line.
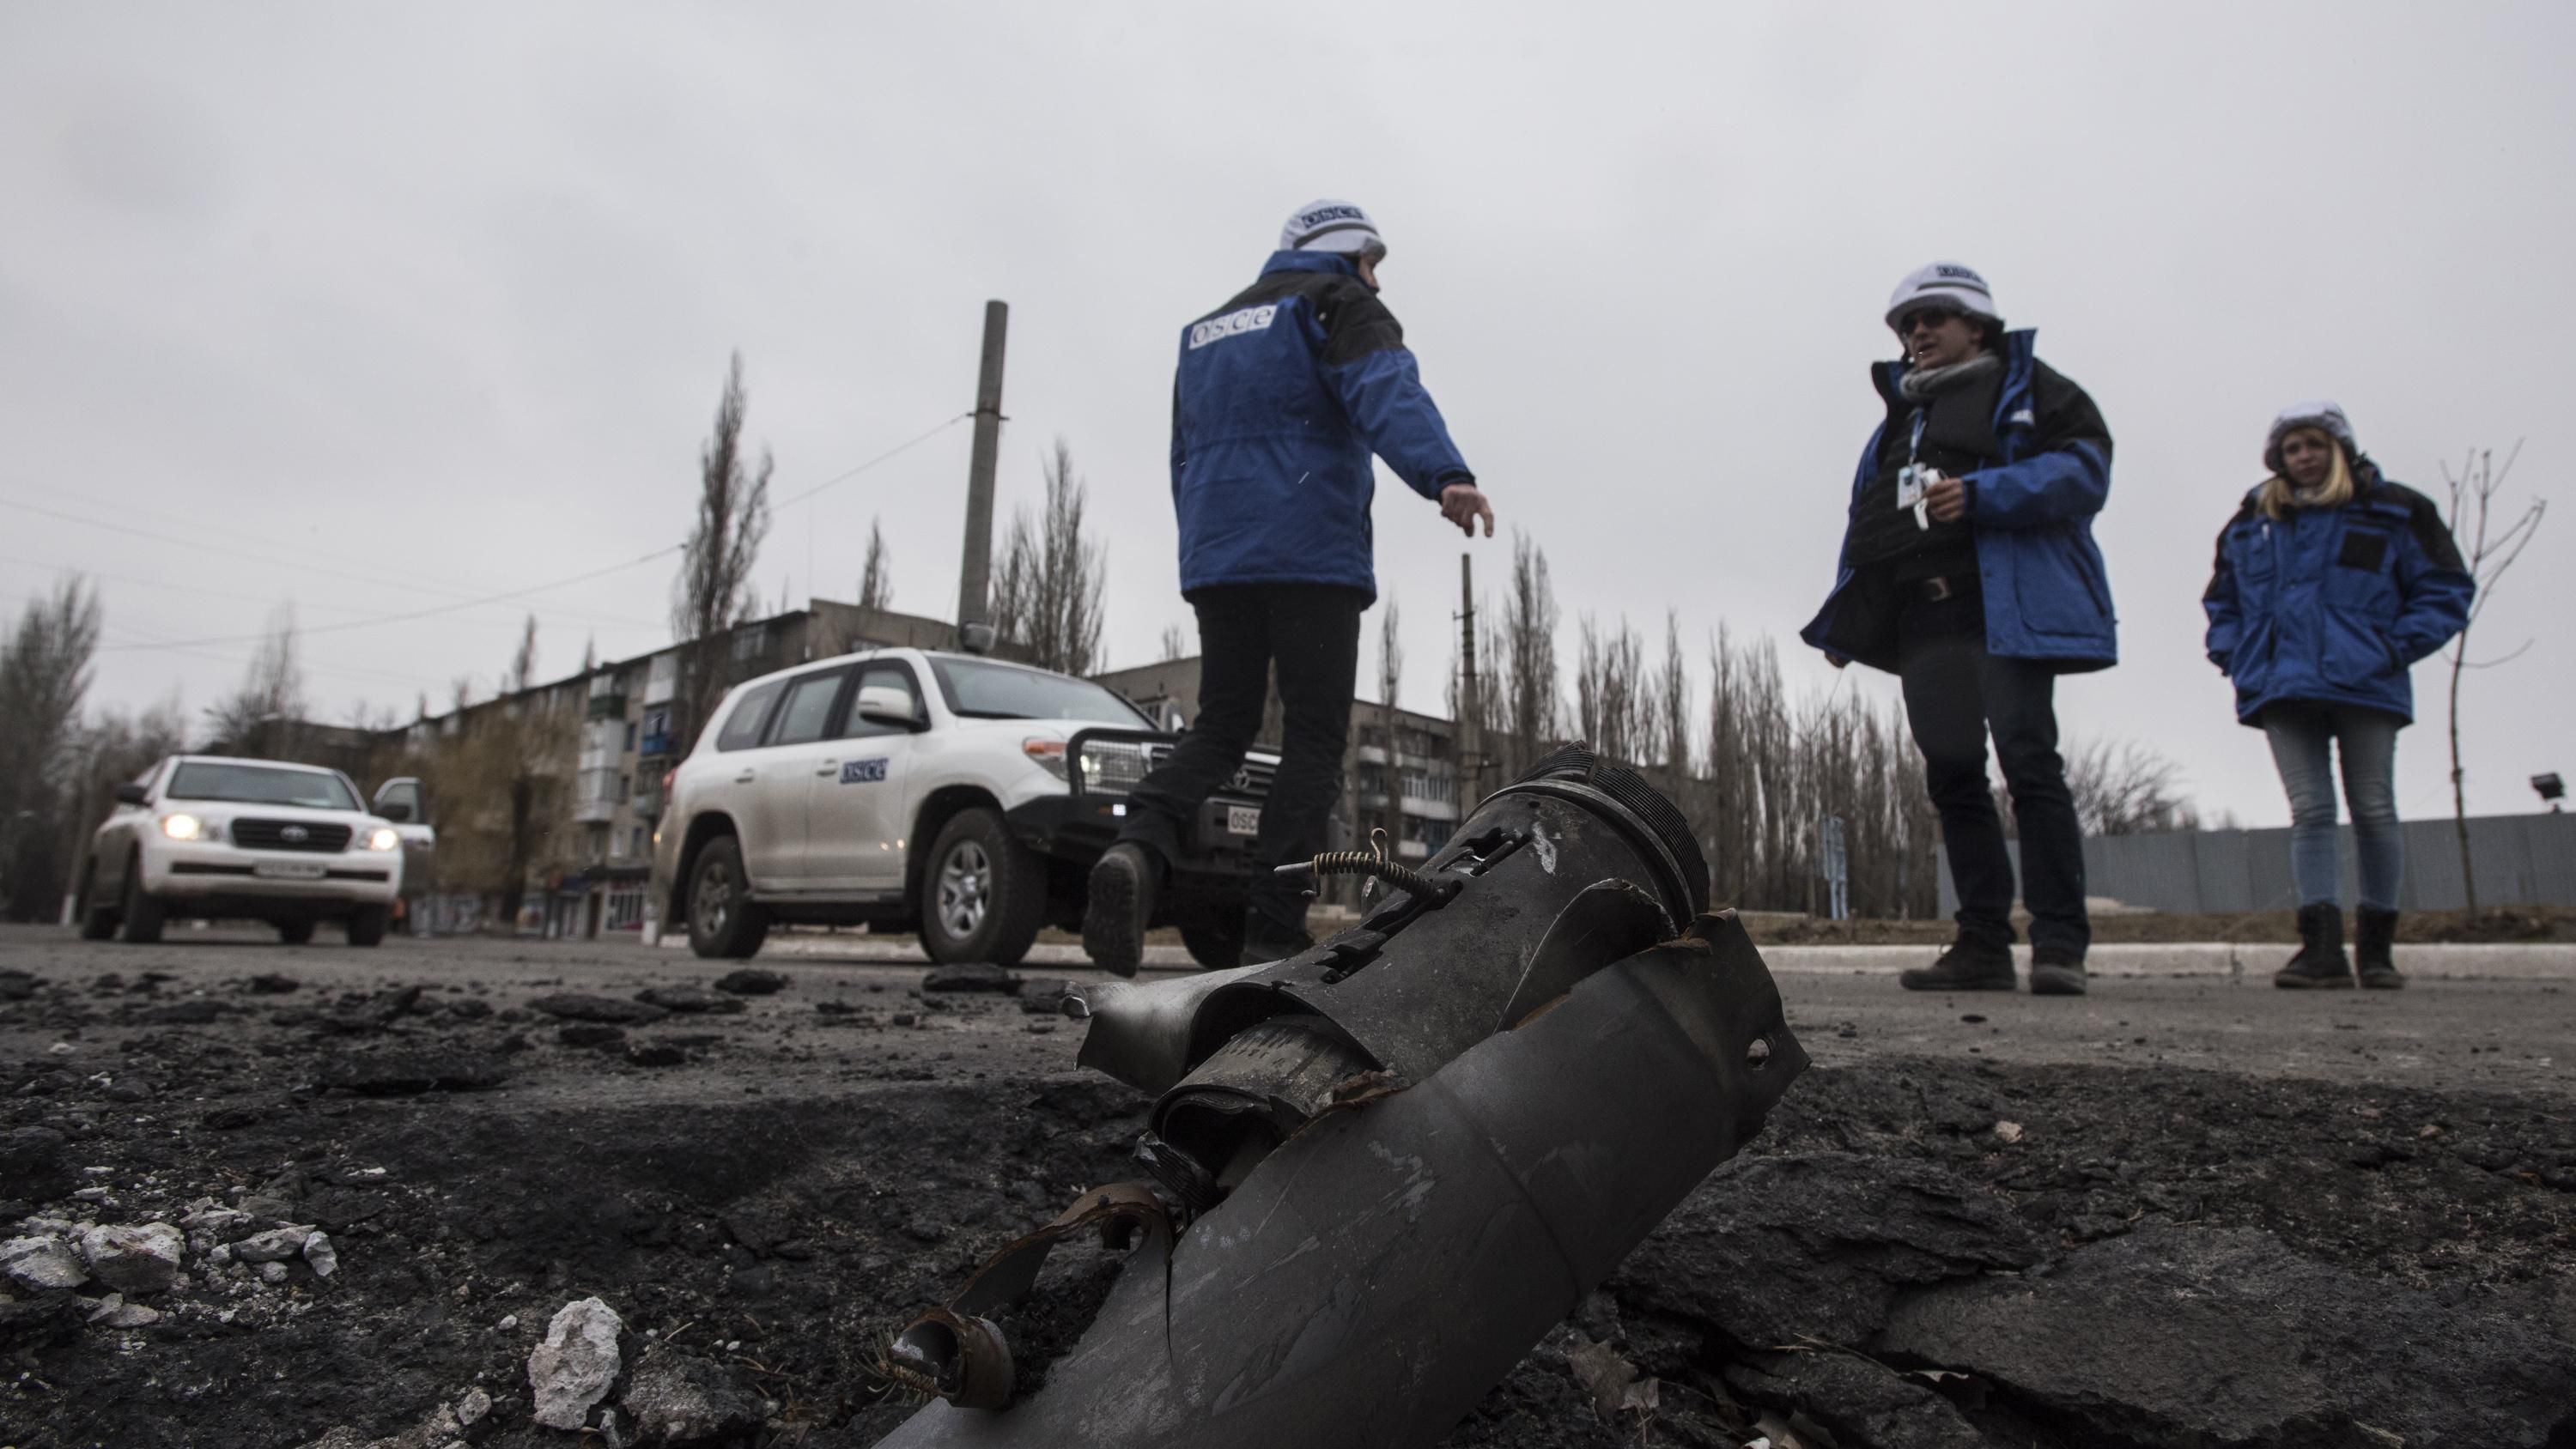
x=2331, y=581
x=1969, y=570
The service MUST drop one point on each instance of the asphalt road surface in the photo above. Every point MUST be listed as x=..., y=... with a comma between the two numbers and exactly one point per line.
x=2183, y=1209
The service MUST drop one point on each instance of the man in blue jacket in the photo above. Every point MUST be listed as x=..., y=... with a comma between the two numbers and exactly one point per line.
x=1281, y=397
x=1969, y=570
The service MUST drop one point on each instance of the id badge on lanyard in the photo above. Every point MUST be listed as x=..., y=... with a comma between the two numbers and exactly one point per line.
x=1916, y=476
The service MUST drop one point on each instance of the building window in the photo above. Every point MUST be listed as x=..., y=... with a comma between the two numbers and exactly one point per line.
x=630, y=734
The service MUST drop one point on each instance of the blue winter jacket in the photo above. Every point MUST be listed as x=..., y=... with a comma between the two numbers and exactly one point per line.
x=2047, y=596
x=2334, y=605
x=1282, y=395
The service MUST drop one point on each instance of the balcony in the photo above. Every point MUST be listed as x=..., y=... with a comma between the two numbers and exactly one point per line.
x=607, y=706
x=647, y=803
x=594, y=812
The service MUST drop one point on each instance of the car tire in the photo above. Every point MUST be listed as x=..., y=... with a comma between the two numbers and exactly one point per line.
x=97, y=922
x=366, y=925
x=1215, y=943
x=723, y=926
x=983, y=894
x=142, y=915
x=294, y=933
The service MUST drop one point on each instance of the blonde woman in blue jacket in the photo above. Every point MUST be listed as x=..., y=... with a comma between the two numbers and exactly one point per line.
x=2331, y=582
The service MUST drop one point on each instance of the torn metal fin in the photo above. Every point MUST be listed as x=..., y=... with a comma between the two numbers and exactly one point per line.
x=1610, y=921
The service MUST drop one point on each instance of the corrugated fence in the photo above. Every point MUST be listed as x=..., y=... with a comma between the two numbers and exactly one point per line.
x=2521, y=860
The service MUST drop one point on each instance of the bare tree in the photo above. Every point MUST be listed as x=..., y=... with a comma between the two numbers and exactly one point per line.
x=264, y=717
x=1047, y=594
x=1390, y=683
x=1671, y=699
x=2122, y=787
x=1611, y=708
x=2491, y=551
x=503, y=777
x=44, y=674
x=1176, y=644
x=1525, y=657
x=876, y=575
x=112, y=748
x=714, y=591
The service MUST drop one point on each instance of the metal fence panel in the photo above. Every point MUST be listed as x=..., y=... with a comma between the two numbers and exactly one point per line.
x=2521, y=860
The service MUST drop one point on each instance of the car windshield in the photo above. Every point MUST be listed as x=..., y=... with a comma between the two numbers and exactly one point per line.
x=978, y=689
x=259, y=785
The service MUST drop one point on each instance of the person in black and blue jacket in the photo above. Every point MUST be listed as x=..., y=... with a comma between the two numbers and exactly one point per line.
x=1969, y=570
x=1282, y=395
x=2330, y=583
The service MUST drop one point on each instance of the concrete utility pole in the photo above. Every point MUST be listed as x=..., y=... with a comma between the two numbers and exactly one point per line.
x=1471, y=715
x=975, y=577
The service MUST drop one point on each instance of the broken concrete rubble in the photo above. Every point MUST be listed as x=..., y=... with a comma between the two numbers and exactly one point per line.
x=141, y=1259
x=577, y=1364
x=680, y=1402
x=42, y=1264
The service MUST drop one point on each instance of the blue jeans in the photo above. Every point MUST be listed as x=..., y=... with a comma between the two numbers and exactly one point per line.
x=2301, y=735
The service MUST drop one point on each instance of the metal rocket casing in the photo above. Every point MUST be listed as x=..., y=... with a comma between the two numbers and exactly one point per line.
x=1378, y=1272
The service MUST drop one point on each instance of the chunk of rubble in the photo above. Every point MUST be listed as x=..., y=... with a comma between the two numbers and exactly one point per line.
x=141, y=1259
x=680, y=1401
x=972, y=976
x=114, y=1312
x=575, y=1367
x=45, y=1265
x=274, y=1246
x=320, y=1256
x=576, y=1007
x=751, y=982
x=692, y=999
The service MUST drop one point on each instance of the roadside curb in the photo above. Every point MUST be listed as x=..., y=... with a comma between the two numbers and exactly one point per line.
x=2221, y=960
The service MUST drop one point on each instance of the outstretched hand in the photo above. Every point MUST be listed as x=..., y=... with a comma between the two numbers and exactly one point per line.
x=1464, y=503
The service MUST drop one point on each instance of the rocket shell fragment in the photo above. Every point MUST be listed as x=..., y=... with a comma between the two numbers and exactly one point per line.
x=1379, y=1272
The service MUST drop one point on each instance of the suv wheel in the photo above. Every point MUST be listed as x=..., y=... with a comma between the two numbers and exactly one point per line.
x=723, y=922
x=142, y=914
x=97, y=920
x=295, y=933
x=1216, y=943
x=366, y=925
x=982, y=893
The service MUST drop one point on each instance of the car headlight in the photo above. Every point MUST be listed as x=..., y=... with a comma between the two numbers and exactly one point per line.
x=1045, y=753
x=1112, y=769
x=190, y=827
x=384, y=837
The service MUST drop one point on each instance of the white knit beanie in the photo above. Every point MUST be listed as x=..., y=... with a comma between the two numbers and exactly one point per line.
x=2321, y=413
x=1944, y=284
x=1331, y=226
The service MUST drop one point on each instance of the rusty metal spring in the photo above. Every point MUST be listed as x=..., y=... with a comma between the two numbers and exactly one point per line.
x=1372, y=863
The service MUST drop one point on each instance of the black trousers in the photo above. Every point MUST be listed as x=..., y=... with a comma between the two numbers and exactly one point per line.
x=1955, y=695
x=1309, y=633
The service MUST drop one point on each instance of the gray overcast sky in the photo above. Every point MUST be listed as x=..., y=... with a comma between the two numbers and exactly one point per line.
x=385, y=305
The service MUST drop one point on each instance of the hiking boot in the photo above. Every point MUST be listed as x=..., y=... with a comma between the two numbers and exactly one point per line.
x=2374, y=938
x=2320, y=962
x=2056, y=973
x=1120, y=906
x=1967, y=966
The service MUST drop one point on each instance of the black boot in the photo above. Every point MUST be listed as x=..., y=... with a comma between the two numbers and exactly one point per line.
x=2320, y=961
x=1969, y=965
x=2374, y=935
x=2056, y=973
x=1120, y=907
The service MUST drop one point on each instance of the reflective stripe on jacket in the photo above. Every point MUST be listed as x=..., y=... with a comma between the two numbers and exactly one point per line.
x=2334, y=605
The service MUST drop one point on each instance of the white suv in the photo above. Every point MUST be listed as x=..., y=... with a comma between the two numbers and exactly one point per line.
x=959, y=795
x=208, y=836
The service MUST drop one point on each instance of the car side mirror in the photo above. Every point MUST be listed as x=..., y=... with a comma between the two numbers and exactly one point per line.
x=889, y=704
x=130, y=793
x=395, y=811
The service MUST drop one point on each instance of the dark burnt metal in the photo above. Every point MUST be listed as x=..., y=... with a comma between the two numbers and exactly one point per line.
x=1386, y=1264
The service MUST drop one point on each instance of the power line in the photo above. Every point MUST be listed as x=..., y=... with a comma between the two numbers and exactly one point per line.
x=303, y=565
x=424, y=613
x=886, y=456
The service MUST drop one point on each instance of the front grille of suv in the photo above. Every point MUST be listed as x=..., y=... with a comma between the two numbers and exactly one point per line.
x=1251, y=782
x=290, y=835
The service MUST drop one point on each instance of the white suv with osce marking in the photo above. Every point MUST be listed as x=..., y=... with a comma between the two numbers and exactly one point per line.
x=955, y=794
x=213, y=837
